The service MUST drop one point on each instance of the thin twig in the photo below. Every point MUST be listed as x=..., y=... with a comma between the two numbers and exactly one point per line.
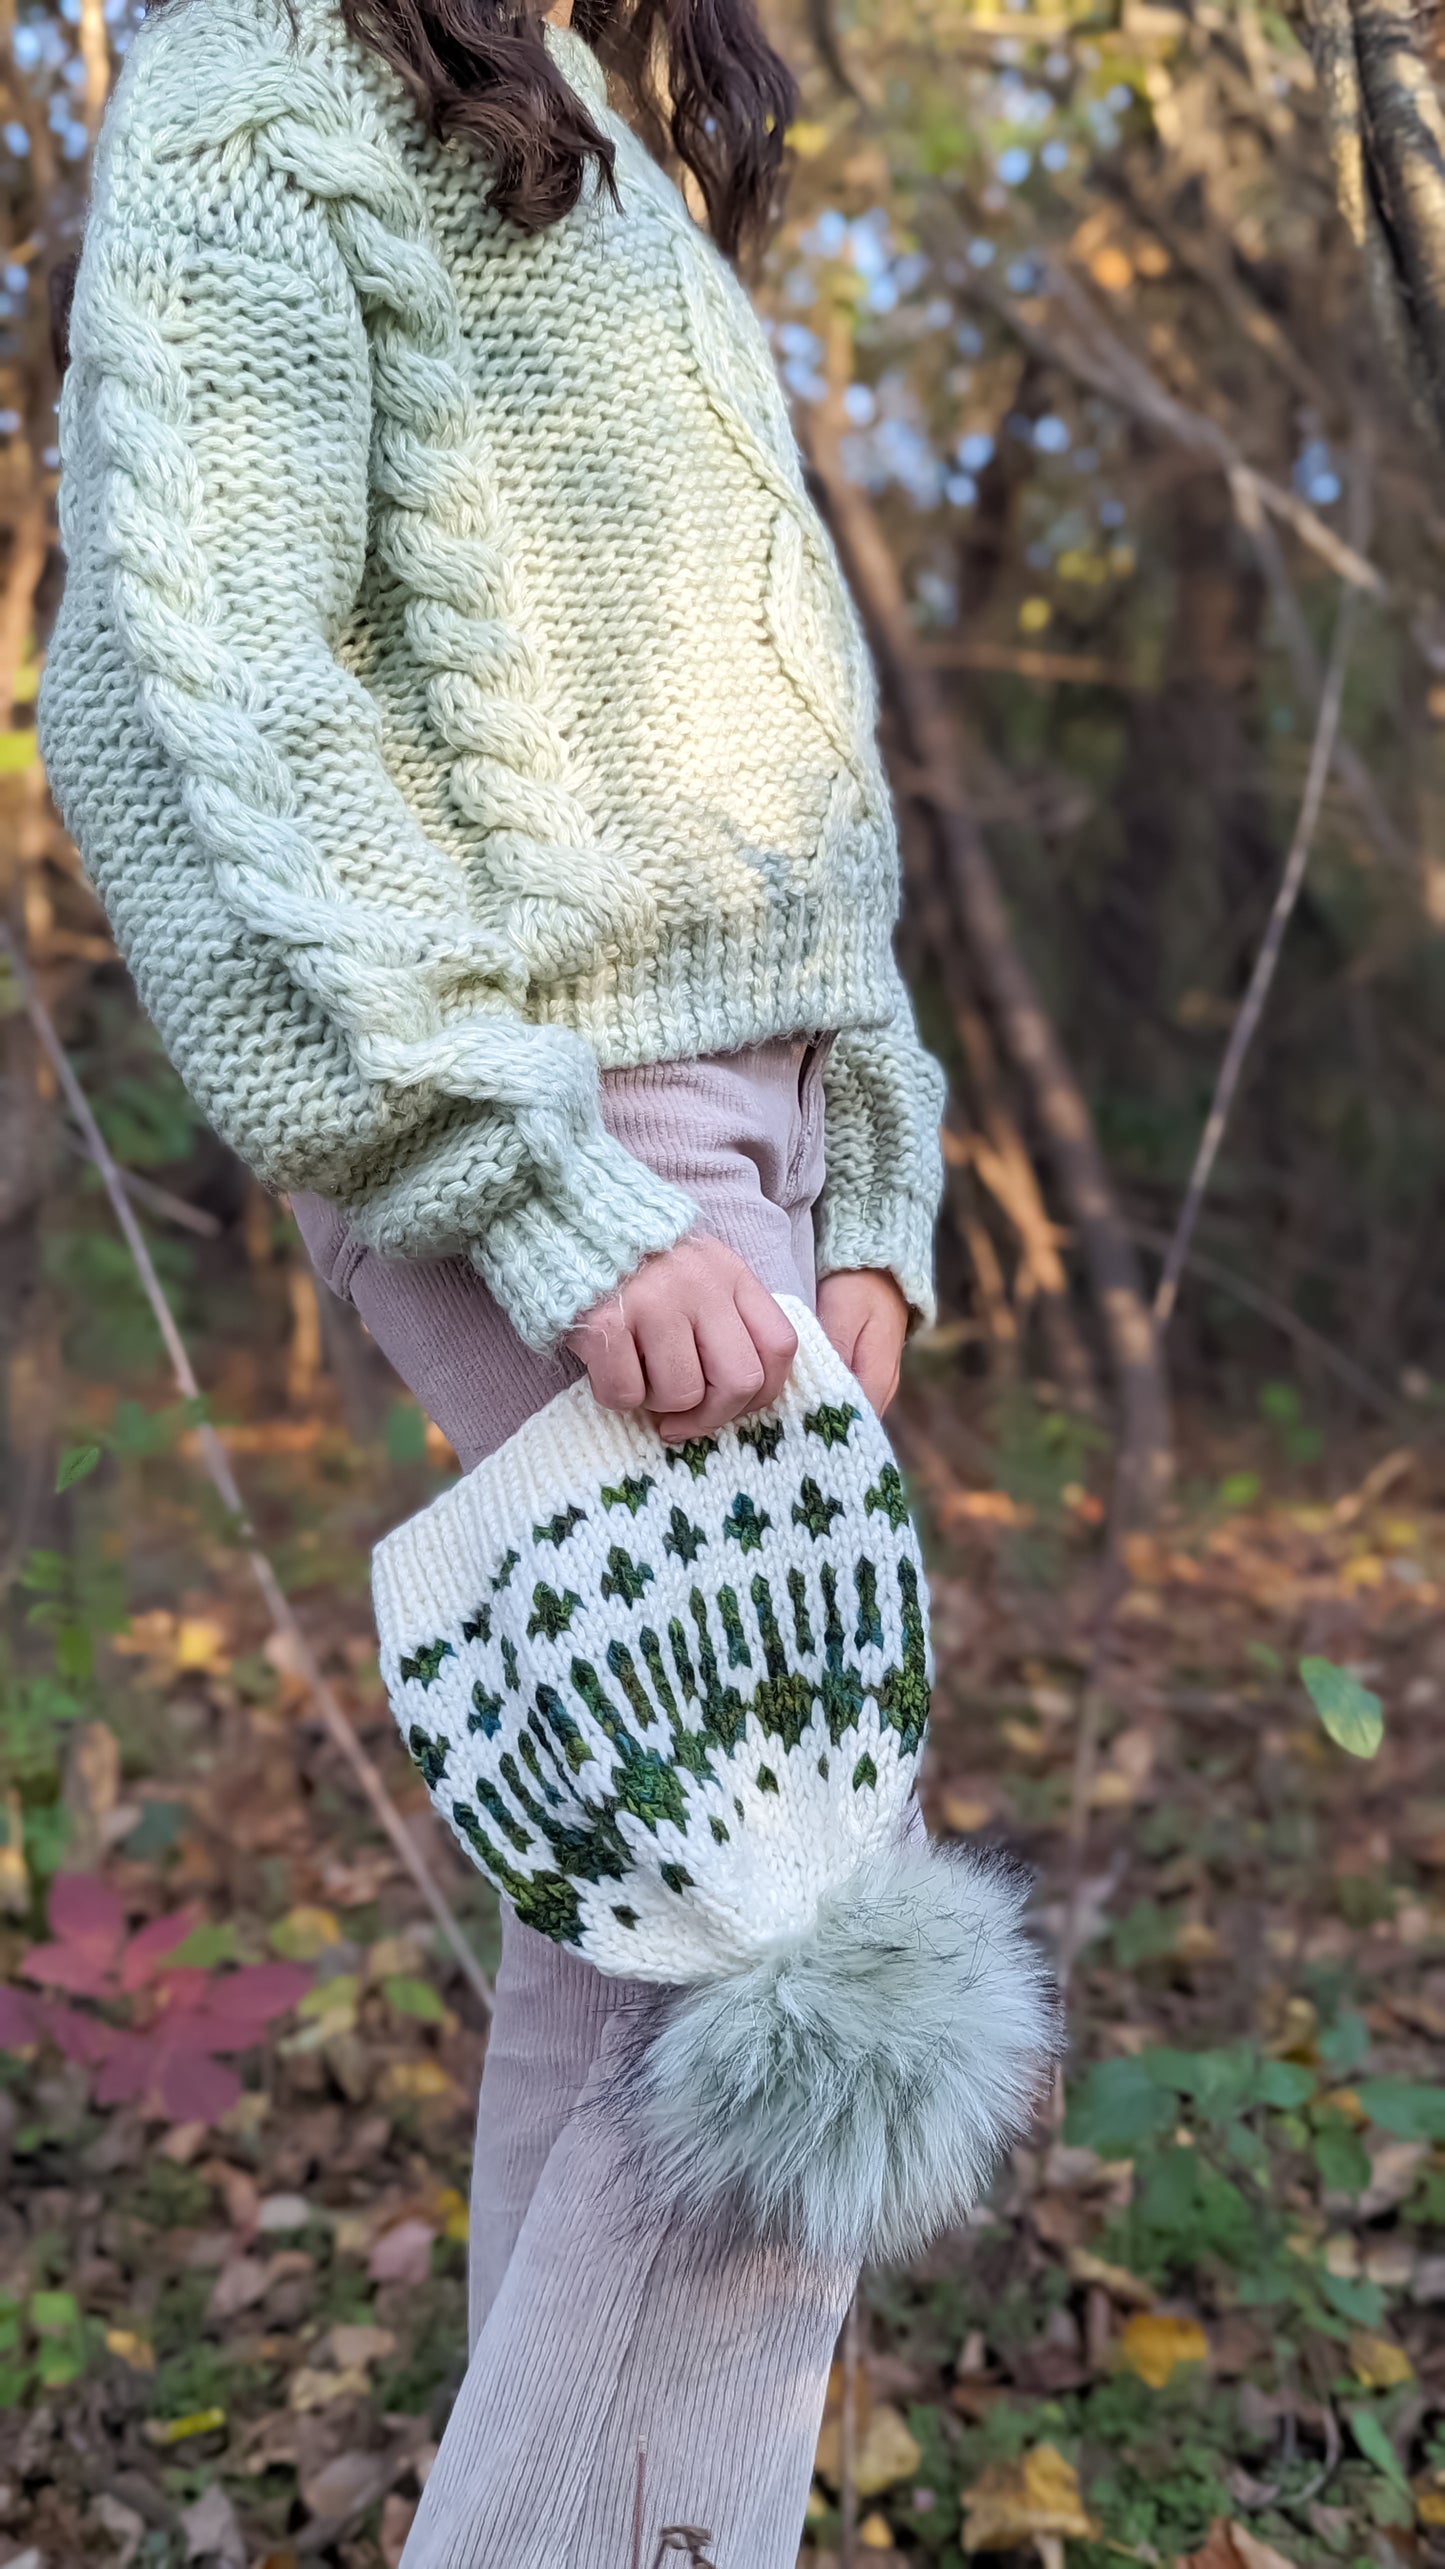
x=1251, y=1007
x=1269, y=1307
x=223, y=1481
x=159, y=1199
x=1095, y=355
x=847, y=2443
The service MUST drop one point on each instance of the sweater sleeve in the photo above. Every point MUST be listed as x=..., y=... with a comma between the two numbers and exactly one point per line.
x=883, y=1103
x=264, y=349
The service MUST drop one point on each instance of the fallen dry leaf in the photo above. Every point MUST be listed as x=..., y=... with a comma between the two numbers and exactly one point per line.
x=121, y=2524
x=963, y=1813
x=884, y=2451
x=1394, y=2167
x=310, y=2387
x=1377, y=2363
x=1129, y=2290
x=271, y=2443
x=402, y=2255
x=875, y=2533
x=200, y=1646
x=240, y=2284
x=351, y=2343
x=349, y=2481
x=212, y=2532
x=418, y=2078
x=1011, y=2503
x=305, y=1933
x=1152, y=2346
x=1228, y=2545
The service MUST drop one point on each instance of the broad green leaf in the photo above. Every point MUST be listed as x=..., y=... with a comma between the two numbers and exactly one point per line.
x=1354, y=2297
x=1411, y=2113
x=74, y=1466
x=1119, y=2106
x=1346, y=2043
x=411, y=1997
x=331, y=1997
x=1217, y=2083
x=1340, y=2156
x=1285, y=2085
x=1375, y=2444
x=213, y=1941
x=1353, y=1716
x=51, y=2313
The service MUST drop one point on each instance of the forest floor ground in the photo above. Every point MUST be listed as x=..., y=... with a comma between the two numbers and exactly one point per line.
x=1202, y=2315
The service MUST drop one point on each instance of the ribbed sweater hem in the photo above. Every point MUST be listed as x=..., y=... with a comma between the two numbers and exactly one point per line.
x=714, y=985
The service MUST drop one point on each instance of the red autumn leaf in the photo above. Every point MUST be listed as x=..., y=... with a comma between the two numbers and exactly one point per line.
x=87, y=1924
x=76, y=2036
x=258, y=1991
x=149, y=1946
x=185, y=1988
x=85, y=1911
x=125, y=2073
x=192, y=2088
x=183, y=2013
x=69, y=1967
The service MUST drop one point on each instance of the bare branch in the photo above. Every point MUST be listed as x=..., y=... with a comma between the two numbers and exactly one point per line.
x=1266, y=962
x=1023, y=1021
x=223, y=1481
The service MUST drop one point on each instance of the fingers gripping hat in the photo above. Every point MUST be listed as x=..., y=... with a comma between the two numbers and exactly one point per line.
x=672, y=1700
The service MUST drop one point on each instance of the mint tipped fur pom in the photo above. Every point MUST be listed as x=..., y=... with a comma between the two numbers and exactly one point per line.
x=855, y=2086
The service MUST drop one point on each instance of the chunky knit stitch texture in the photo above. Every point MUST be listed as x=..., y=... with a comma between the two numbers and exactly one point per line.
x=673, y=1700
x=454, y=688
x=667, y=1696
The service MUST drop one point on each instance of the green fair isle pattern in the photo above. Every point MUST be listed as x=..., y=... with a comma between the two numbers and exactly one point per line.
x=634, y=1737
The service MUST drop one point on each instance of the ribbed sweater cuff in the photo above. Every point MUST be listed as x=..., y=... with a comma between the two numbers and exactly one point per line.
x=578, y=1238
x=893, y=1231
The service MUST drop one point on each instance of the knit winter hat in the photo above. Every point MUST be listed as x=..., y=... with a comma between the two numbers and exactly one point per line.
x=671, y=1699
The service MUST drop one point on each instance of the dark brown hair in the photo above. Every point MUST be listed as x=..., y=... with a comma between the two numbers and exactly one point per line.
x=702, y=76
x=705, y=81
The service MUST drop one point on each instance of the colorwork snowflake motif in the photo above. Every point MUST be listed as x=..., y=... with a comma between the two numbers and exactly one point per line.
x=682, y=1741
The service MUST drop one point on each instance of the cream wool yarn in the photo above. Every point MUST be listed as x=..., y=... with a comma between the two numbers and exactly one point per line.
x=454, y=688
x=672, y=1700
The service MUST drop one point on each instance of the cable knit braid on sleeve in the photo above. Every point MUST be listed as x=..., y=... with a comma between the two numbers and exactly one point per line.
x=425, y=995
x=883, y=1103
x=438, y=531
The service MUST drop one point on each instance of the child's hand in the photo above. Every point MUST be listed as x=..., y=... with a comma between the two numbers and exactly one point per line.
x=866, y=1319
x=692, y=1338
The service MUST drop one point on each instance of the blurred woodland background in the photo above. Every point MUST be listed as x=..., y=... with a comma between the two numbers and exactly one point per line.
x=1116, y=337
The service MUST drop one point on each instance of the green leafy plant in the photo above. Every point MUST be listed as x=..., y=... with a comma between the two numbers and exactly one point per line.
x=44, y=2344
x=1354, y=1718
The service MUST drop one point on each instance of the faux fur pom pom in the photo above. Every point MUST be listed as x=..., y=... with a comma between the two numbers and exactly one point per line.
x=854, y=2086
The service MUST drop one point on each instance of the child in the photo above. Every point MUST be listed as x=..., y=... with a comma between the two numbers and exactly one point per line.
x=459, y=711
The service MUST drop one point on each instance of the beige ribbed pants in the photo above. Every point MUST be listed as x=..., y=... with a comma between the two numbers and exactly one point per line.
x=599, y=2329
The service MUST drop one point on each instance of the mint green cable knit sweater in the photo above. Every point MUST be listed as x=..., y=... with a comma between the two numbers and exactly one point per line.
x=454, y=689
